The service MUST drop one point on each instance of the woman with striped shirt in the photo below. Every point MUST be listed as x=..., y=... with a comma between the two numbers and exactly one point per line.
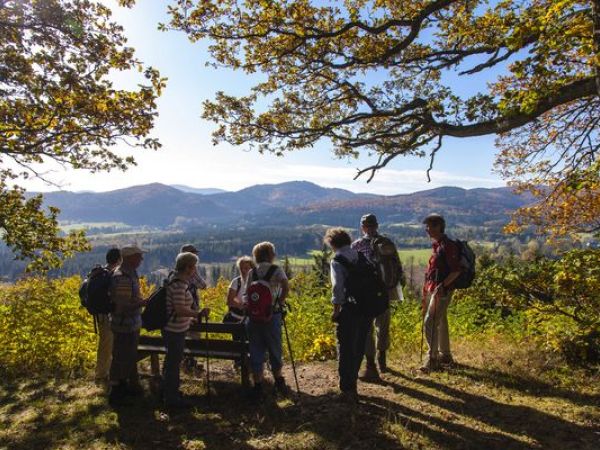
x=181, y=314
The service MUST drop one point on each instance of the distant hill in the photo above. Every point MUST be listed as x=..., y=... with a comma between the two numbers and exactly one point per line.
x=285, y=204
x=153, y=204
x=201, y=191
x=467, y=207
x=292, y=194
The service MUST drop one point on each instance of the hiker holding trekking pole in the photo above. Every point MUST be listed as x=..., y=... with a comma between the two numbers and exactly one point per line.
x=442, y=272
x=264, y=296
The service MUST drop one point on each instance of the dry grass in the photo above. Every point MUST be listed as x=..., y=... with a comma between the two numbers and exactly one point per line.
x=500, y=397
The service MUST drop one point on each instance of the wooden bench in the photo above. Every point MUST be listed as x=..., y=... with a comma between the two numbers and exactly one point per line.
x=153, y=346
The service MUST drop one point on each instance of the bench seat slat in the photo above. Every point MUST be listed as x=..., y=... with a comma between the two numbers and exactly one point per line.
x=217, y=327
x=199, y=344
x=144, y=350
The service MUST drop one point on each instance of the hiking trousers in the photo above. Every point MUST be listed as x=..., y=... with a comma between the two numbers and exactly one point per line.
x=265, y=337
x=351, y=333
x=436, y=325
x=378, y=336
x=105, y=347
x=175, y=344
x=124, y=357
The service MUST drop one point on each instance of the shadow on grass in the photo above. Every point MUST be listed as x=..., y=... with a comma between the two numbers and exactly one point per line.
x=228, y=420
x=528, y=385
x=548, y=430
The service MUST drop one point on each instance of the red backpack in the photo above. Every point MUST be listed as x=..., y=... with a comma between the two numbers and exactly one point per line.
x=260, y=299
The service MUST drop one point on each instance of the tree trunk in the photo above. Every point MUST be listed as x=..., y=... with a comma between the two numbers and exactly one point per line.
x=596, y=39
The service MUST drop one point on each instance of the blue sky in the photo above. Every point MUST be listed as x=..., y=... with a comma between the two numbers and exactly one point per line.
x=188, y=156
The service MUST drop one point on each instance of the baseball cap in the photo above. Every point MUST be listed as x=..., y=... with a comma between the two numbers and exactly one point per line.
x=434, y=217
x=369, y=220
x=188, y=248
x=131, y=250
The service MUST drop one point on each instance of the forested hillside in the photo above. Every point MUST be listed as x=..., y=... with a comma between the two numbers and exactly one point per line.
x=292, y=203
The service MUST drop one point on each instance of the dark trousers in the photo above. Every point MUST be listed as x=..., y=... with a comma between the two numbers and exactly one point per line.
x=123, y=366
x=175, y=343
x=351, y=333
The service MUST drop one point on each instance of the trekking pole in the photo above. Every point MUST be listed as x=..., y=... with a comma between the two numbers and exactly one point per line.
x=422, y=332
x=287, y=338
x=207, y=362
x=424, y=314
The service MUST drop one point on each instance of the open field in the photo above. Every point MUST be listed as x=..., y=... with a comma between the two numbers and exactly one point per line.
x=496, y=398
x=419, y=256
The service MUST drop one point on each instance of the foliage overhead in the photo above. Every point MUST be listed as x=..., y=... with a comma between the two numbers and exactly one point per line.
x=378, y=76
x=58, y=103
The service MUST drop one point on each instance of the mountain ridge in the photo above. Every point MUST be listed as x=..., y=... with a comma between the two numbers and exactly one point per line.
x=285, y=204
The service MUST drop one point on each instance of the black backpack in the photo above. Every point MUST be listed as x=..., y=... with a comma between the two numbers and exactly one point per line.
x=155, y=315
x=365, y=287
x=94, y=292
x=467, y=263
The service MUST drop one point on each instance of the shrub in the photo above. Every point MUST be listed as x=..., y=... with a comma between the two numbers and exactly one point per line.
x=43, y=327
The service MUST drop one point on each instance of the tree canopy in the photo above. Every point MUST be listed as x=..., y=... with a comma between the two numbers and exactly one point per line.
x=58, y=103
x=377, y=76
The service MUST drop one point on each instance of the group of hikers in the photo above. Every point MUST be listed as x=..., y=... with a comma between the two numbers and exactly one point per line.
x=365, y=276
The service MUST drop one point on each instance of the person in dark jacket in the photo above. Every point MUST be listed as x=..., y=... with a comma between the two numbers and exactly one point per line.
x=351, y=327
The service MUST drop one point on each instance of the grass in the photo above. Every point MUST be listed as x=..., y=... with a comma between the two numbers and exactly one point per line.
x=500, y=396
x=420, y=256
x=67, y=227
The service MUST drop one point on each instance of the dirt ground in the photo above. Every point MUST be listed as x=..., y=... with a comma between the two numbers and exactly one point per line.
x=473, y=405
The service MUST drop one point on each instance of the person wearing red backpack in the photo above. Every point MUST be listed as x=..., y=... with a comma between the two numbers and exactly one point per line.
x=265, y=294
x=442, y=271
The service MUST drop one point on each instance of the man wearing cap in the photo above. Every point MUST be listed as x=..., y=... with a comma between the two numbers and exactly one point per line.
x=443, y=269
x=126, y=322
x=381, y=327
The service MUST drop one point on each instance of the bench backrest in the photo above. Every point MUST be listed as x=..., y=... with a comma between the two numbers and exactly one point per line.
x=218, y=327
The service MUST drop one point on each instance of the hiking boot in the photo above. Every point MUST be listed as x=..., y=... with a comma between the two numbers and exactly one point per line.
x=134, y=390
x=349, y=397
x=256, y=394
x=118, y=395
x=188, y=365
x=281, y=387
x=102, y=383
x=446, y=359
x=370, y=373
x=382, y=362
x=178, y=403
x=430, y=365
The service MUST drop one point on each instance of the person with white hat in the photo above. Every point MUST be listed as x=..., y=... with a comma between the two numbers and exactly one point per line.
x=126, y=322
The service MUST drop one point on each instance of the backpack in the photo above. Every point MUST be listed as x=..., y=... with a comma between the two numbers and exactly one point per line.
x=94, y=292
x=365, y=286
x=155, y=315
x=467, y=263
x=389, y=262
x=260, y=298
